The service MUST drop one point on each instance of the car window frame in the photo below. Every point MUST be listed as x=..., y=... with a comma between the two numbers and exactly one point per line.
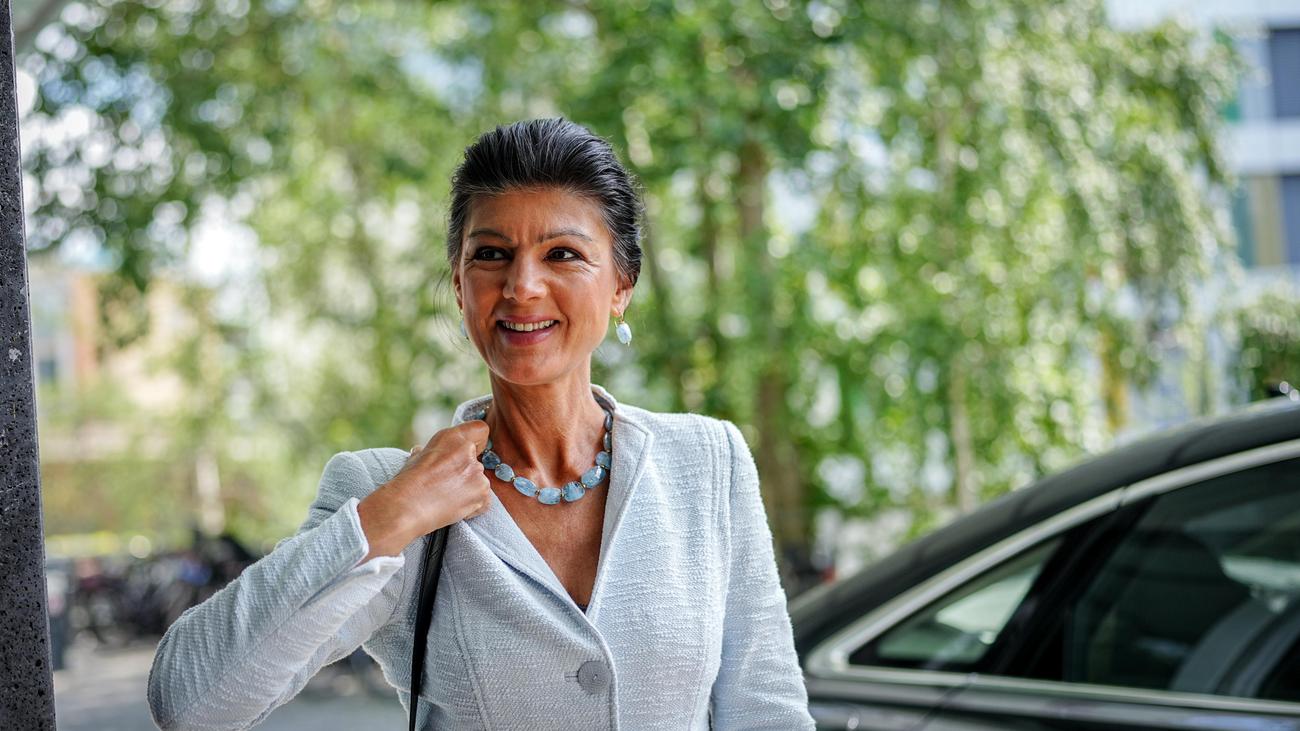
x=1063, y=547
x=1085, y=550
x=829, y=658
x=1093, y=556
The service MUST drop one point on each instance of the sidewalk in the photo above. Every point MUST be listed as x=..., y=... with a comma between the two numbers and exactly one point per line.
x=104, y=690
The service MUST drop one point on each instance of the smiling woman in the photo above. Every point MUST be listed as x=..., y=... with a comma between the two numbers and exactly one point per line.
x=538, y=267
x=651, y=603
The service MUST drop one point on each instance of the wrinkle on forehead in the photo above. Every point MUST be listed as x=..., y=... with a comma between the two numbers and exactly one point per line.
x=553, y=209
x=557, y=233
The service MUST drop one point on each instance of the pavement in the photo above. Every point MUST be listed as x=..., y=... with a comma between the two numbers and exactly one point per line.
x=104, y=689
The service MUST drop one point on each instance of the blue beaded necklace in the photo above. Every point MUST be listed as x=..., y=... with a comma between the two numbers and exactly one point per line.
x=571, y=491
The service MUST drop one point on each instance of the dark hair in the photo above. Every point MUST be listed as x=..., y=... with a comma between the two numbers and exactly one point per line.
x=556, y=152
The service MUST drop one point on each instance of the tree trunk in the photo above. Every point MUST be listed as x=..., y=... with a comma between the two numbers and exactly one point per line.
x=1113, y=385
x=965, y=489
x=207, y=493
x=777, y=457
x=672, y=342
x=716, y=401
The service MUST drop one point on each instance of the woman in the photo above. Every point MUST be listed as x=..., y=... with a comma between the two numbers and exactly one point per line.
x=636, y=589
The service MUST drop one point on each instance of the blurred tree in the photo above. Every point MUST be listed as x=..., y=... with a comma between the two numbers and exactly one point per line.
x=1020, y=200
x=984, y=211
x=1269, y=332
x=323, y=131
x=86, y=489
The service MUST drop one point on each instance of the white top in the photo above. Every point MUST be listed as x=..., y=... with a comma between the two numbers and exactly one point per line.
x=686, y=627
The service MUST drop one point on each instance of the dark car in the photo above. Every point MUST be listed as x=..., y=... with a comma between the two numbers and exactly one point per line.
x=1154, y=587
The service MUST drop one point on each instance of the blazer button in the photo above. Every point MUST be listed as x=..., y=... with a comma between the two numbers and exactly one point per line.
x=593, y=676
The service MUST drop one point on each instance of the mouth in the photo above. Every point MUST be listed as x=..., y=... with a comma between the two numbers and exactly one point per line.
x=526, y=333
x=526, y=327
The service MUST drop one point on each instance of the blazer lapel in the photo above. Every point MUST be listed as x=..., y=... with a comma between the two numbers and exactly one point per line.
x=631, y=441
x=504, y=538
x=498, y=530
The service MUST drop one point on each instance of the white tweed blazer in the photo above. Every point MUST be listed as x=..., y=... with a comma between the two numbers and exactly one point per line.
x=686, y=627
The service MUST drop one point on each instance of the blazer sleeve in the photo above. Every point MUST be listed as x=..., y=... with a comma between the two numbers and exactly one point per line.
x=230, y=661
x=759, y=683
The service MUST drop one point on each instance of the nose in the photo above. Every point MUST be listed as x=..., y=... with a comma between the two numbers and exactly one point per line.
x=524, y=280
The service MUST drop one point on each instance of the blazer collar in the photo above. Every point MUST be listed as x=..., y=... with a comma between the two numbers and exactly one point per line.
x=630, y=440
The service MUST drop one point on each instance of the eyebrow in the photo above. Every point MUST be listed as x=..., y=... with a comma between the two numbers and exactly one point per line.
x=545, y=237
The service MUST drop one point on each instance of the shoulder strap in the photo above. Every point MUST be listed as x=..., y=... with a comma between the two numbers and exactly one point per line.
x=430, y=572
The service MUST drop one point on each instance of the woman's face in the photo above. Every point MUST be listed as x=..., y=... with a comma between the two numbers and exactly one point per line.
x=529, y=257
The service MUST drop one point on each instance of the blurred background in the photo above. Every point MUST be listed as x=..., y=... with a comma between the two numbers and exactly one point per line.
x=923, y=253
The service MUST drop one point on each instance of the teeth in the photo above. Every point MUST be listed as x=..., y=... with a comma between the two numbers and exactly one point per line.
x=527, y=327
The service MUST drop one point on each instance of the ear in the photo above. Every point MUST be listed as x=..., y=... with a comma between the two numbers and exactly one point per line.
x=623, y=295
x=455, y=285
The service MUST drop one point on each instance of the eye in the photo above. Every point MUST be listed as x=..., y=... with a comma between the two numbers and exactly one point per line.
x=572, y=255
x=488, y=253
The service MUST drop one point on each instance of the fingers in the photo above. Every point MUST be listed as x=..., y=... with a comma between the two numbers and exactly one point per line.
x=447, y=475
x=480, y=484
x=476, y=432
x=481, y=509
x=487, y=503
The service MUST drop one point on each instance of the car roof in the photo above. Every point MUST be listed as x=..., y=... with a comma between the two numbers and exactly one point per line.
x=825, y=609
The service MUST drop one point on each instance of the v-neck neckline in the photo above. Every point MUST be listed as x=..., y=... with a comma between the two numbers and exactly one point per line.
x=497, y=527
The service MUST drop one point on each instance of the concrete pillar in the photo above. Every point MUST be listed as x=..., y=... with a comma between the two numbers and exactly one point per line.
x=26, y=681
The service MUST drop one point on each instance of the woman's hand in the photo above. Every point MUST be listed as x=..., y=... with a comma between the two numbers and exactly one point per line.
x=441, y=483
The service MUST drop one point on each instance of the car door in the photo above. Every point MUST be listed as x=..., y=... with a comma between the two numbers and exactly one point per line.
x=1170, y=604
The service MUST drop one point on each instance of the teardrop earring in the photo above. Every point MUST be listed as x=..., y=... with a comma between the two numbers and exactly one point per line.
x=623, y=330
x=463, y=331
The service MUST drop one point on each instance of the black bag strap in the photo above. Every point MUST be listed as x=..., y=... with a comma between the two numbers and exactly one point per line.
x=430, y=573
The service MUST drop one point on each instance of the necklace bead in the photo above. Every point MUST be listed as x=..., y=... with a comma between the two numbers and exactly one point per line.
x=525, y=486
x=571, y=491
x=593, y=476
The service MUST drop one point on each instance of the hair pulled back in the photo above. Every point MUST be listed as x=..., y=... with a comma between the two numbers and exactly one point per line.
x=542, y=153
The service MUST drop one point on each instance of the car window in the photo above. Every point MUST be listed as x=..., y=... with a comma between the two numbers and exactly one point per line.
x=957, y=631
x=1201, y=594
x=1195, y=590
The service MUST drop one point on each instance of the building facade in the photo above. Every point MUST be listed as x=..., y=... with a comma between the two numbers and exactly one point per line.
x=1263, y=132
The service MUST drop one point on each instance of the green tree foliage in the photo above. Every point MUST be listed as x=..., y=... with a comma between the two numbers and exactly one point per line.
x=915, y=249
x=1269, y=332
x=1017, y=205
x=311, y=122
